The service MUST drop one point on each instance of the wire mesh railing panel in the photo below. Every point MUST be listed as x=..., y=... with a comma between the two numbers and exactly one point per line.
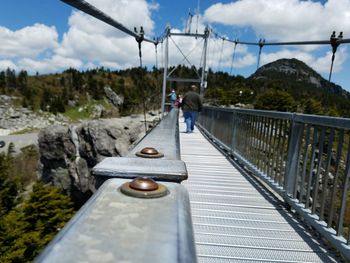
x=307, y=156
x=263, y=141
x=323, y=174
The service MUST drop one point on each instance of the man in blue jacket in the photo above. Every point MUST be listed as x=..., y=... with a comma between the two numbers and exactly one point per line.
x=173, y=98
x=191, y=105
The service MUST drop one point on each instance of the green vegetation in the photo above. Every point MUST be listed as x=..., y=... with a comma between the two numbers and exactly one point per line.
x=73, y=90
x=284, y=85
x=28, y=219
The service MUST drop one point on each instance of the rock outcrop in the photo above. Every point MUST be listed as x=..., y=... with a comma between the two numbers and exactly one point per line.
x=69, y=153
x=14, y=119
x=115, y=99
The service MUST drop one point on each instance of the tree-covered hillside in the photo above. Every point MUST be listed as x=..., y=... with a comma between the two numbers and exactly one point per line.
x=72, y=89
x=284, y=85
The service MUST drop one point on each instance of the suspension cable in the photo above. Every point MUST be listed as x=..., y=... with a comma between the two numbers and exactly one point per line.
x=216, y=49
x=161, y=55
x=210, y=47
x=333, y=41
x=233, y=56
x=93, y=11
x=220, y=57
x=189, y=22
x=189, y=53
x=290, y=43
x=156, y=52
x=185, y=57
x=139, y=40
x=197, y=16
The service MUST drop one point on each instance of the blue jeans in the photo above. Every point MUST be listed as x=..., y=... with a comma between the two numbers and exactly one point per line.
x=190, y=119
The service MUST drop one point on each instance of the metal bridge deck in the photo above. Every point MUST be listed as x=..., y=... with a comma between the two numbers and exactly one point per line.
x=235, y=219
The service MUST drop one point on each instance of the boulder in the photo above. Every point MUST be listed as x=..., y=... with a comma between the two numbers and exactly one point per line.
x=115, y=99
x=67, y=154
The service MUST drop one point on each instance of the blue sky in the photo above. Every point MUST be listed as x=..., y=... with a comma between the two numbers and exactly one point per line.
x=50, y=36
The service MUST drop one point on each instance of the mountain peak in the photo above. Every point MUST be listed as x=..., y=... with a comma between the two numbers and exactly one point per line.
x=295, y=73
x=291, y=68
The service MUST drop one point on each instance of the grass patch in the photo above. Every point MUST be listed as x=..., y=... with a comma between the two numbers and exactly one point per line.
x=75, y=115
x=24, y=131
x=84, y=112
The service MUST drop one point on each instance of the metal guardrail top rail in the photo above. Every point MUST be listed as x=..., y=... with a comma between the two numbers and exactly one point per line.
x=335, y=122
x=114, y=227
x=137, y=221
x=156, y=156
x=304, y=158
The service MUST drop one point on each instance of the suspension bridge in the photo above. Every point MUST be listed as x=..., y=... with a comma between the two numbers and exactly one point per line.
x=246, y=186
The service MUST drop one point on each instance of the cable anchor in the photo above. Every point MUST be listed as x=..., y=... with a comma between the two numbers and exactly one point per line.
x=334, y=41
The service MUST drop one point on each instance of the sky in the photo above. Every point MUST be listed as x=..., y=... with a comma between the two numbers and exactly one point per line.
x=51, y=36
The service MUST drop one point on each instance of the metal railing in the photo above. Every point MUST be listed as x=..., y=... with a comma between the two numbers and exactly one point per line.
x=138, y=221
x=304, y=158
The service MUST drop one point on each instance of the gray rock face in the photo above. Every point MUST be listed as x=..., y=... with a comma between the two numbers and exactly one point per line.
x=115, y=99
x=15, y=119
x=67, y=154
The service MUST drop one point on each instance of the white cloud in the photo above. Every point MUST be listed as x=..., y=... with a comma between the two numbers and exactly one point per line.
x=284, y=20
x=322, y=64
x=49, y=65
x=4, y=64
x=29, y=41
x=87, y=43
x=92, y=40
x=221, y=52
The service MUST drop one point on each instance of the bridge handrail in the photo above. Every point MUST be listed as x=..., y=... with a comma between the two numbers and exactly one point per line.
x=304, y=158
x=116, y=225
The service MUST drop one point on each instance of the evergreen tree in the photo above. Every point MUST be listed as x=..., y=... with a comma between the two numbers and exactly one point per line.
x=276, y=100
x=11, y=80
x=313, y=106
x=2, y=81
x=26, y=230
x=9, y=187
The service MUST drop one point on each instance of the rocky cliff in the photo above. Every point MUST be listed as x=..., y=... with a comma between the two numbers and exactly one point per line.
x=68, y=153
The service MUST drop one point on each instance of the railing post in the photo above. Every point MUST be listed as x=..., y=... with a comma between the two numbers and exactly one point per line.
x=234, y=128
x=294, y=142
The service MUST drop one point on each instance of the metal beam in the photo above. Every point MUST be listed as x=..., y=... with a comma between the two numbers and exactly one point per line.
x=205, y=46
x=183, y=80
x=165, y=73
x=93, y=11
x=187, y=35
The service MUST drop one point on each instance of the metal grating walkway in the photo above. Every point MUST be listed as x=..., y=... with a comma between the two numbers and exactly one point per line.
x=234, y=219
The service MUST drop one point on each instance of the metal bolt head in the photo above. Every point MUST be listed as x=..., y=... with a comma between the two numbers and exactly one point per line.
x=144, y=187
x=143, y=184
x=149, y=152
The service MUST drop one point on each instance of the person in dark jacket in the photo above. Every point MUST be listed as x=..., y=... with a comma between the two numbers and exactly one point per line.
x=191, y=105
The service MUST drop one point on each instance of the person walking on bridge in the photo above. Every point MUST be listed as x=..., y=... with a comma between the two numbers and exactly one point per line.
x=173, y=98
x=191, y=105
